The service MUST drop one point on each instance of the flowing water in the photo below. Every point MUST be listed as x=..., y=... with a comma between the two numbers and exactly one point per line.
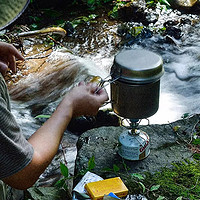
x=94, y=48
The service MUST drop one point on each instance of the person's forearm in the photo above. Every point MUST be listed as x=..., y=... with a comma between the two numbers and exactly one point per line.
x=45, y=142
x=79, y=101
x=46, y=139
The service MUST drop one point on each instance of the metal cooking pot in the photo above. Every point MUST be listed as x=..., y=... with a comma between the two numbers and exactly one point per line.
x=135, y=91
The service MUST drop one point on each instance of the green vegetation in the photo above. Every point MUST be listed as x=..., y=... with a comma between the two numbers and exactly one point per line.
x=156, y=3
x=181, y=181
x=62, y=183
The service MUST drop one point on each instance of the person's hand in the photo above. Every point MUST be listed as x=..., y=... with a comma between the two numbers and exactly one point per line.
x=85, y=100
x=8, y=56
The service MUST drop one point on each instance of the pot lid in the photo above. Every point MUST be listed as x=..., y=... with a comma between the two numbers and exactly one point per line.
x=10, y=10
x=137, y=66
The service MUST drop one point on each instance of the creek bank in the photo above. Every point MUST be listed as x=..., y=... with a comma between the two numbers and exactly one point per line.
x=167, y=145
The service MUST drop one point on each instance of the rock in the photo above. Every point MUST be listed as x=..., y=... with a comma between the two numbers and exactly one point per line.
x=183, y=3
x=133, y=11
x=168, y=143
x=190, y=6
x=84, y=123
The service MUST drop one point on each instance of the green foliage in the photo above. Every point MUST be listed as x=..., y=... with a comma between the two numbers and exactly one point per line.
x=90, y=167
x=185, y=115
x=117, y=5
x=196, y=156
x=139, y=176
x=196, y=141
x=94, y=4
x=181, y=181
x=43, y=116
x=83, y=20
x=136, y=30
x=158, y=3
x=62, y=182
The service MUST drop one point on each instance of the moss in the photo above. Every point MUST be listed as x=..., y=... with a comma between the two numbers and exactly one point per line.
x=182, y=179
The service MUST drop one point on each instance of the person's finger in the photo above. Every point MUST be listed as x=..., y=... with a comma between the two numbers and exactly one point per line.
x=93, y=87
x=81, y=83
x=12, y=63
x=16, y=53
x=102, y=95
x=3, y=68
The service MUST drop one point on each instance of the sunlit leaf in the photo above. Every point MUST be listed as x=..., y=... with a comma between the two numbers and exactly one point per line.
x=143, y=186
x=176, y=128
x=42, y=116
x=64, y=170
x=179, y=198
x=185, y=115
x=136, y=175
x=165, y=2
x=92, y=16
x=154, y=187
x=160, y=198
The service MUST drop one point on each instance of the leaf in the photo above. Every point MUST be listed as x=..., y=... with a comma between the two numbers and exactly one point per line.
x=90, y=2
x=91, y=163
x=42, y=116
x=64, y=170
x=92, y=16
x=139, y=176
x=185, y=115
x=165, y=2
x=143, y=186
x=115, y=168
x=154, y=187
x=107, y=169
x=176, y=128
x=60, y=183
x=160, y=198
x=196, y=141
x=179, y=198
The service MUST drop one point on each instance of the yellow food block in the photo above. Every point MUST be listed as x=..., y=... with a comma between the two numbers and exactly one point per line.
x=98, y=189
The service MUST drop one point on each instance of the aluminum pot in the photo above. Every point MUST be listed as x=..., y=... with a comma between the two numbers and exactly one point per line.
x=135, y=84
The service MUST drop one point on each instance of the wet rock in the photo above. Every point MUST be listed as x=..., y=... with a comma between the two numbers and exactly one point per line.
x=133, y=11
x=189, y=6
x=183, y=3
x=103, y=118
x=167, y=145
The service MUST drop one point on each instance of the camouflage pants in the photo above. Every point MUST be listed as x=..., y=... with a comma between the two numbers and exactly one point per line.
x=8, y=193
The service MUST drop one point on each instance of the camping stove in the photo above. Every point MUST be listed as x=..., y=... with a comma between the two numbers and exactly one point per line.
x=135, y=88
x=133, y=143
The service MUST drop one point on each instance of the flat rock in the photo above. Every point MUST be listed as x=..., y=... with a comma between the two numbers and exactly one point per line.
x=167, y=145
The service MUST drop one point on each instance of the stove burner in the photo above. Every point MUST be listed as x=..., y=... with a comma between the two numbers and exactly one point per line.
x=134, y=143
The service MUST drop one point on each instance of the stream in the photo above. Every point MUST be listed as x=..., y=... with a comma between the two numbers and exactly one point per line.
x=95, y=46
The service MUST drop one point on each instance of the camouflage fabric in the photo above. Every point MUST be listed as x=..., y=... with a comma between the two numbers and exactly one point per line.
x=10, y=10
x=8, y=193
x=3, y=190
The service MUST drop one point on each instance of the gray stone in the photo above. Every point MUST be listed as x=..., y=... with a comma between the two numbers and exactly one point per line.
x=167, y=145
x=183, y=3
